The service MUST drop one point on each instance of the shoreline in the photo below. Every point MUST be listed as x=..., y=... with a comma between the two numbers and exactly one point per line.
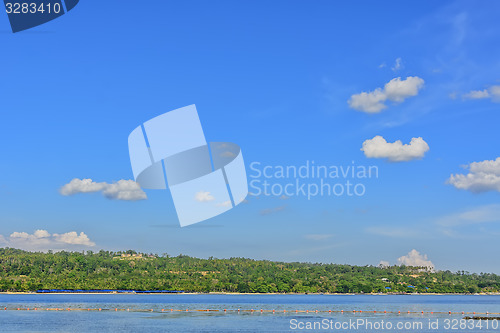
x=256, y=294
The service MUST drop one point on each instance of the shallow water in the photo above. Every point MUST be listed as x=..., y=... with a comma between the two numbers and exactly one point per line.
x=139, y=318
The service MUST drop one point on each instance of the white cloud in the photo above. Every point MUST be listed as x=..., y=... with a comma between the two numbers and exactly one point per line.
x=477, y=94
x=73, y=238
x=384, y=264
x=396, y=90
x=225, y=204
x=492, y=92
x=21, y=235
x=81, y=186
x=284, y=197
x=482, y=177
x=378, y=147
x=24, y=236
x=482, y=214
x=124, y=190
x=371, y=102
x=203, y=196
x=414, y=258
x=121, y=190
x=42, y=239
x=318, y=237
x=397, y=65
x=487, y=166
x=41, y=234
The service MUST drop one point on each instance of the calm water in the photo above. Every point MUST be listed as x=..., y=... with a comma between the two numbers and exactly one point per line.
x=108, y=320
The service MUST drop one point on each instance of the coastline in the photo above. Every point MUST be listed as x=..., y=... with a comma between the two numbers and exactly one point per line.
x=234, y=293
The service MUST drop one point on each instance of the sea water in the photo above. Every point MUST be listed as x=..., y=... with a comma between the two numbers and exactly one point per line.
x=143, y=313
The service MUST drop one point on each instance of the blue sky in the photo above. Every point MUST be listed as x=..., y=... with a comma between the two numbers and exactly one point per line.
x=276, y=78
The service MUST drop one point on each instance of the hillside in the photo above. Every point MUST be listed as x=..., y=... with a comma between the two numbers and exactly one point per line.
x=29, y=271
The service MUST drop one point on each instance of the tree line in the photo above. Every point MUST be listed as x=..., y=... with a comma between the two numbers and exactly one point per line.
x=30, y=271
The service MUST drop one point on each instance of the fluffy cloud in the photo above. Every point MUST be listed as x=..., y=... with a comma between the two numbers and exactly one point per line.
x=482, y=177
x=414, y=258
x=203, y=196
x=42, y=239
x=378, y=147
x=371, y=102
x=492, y=92
x=124, y=190
x=121, y=190
x=41, y=233
x=73, y=238
x=396, y=90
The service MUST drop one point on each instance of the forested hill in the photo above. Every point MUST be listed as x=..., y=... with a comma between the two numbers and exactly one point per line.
x=29, y=271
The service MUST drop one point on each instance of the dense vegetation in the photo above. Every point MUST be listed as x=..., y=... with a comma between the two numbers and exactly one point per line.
x=29, y=271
